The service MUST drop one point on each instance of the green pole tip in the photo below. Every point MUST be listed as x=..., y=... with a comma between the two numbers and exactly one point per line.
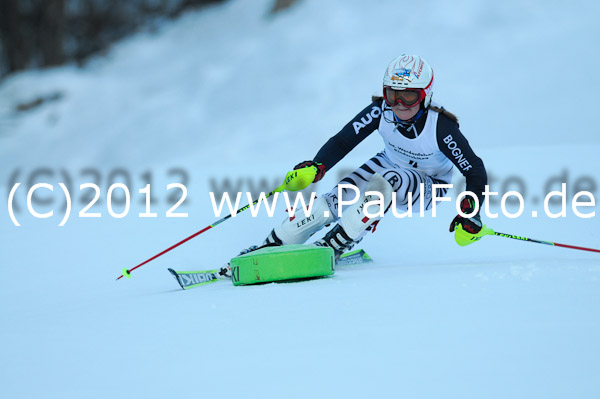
x=126, y=273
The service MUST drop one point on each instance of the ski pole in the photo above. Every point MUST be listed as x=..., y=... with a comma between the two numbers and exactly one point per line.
x=295, y=180
x=463, y=238
x=555, y=244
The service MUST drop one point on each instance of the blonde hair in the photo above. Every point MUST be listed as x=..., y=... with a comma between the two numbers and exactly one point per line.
x=444, y=112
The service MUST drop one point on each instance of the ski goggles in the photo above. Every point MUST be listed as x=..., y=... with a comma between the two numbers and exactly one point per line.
x=408, y=97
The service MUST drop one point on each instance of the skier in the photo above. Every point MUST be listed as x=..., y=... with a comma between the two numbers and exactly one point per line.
x=422, y=144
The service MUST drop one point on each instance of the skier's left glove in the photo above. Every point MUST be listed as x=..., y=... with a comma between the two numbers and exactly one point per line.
x=471, y=225
x=320, y=168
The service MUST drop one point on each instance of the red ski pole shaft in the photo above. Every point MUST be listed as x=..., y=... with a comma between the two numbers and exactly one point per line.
x=295, y=180
x=128, y=271
x=555, y=244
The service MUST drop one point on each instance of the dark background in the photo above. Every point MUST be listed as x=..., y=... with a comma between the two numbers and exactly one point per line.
x=41, y=33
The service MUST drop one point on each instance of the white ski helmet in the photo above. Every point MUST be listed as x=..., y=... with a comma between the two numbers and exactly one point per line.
x=409, y=72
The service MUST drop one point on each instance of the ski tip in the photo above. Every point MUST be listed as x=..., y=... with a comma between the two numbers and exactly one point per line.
x=353, y=258
x=174, y=273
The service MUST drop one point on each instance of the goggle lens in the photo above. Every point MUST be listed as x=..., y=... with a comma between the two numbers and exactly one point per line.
x=408, y=98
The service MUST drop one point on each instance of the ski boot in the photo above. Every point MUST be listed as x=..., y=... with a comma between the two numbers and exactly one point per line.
x=225, y=270
x=271, y=241
x=354, y=223
x=338, y=240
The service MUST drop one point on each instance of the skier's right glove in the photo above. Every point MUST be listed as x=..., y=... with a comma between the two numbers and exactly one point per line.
x=471, y=225
x=320, y=168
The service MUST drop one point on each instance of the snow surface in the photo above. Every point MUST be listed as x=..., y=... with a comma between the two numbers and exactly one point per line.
x=227, y=92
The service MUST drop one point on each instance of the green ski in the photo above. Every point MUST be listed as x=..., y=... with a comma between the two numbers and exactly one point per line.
x=191, y=279
x=353, y=258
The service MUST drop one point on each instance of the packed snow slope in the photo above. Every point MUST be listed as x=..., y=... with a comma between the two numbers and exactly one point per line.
x=227, y=95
